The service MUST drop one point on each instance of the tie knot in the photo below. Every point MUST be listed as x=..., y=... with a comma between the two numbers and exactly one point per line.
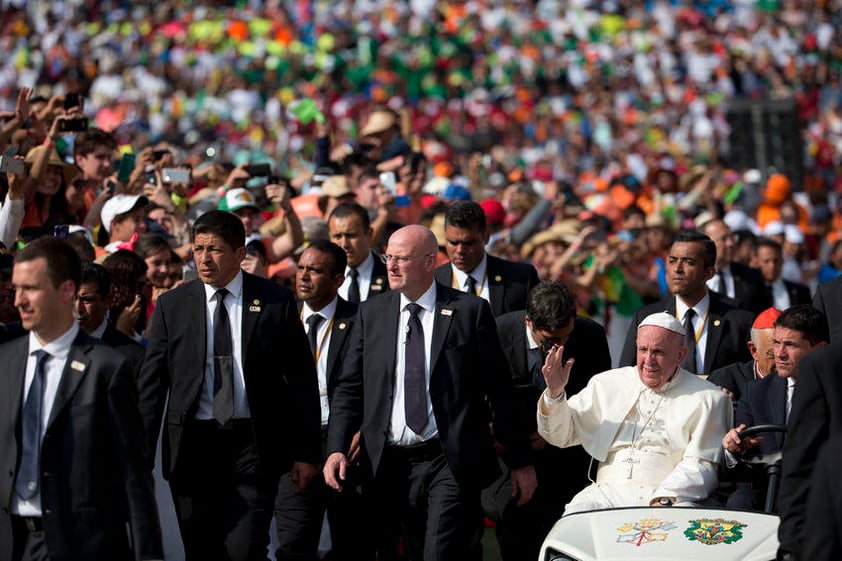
x=314, y=320
x=413, y=309
x=221, y=294
x=354, y=273
x=690, y=314
x=40, y=356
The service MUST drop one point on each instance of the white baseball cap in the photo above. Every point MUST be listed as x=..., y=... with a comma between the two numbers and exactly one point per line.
x=120, y=204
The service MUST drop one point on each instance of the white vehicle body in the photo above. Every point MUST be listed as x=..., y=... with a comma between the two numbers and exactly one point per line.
x=663, y=534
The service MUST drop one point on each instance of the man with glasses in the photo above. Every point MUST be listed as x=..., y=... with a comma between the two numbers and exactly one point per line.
x=523, y=520
x=423, y=365
x=742, y=284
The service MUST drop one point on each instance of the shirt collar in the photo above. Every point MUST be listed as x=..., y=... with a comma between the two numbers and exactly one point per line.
x=701, y=307
x=326, y=312
x=477, y=272
x=100, y=331
x=426, y=301
x=530, y=340
x=58, y=347
x=364, y=269
x=235, y=287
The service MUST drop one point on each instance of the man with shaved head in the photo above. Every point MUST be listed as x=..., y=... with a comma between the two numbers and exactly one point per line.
x=654, y=428
x=423, y=364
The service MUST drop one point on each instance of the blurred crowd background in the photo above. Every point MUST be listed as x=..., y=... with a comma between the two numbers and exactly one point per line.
x=590, y=131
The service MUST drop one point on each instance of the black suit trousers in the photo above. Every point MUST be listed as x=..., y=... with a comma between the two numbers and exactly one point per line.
x=224, y=499
x=299, y=516
x=418, y=498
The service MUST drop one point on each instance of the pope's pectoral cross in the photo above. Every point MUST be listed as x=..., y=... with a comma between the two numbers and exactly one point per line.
x=630, y=460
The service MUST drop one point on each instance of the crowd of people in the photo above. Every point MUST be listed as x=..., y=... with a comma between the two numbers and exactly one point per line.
x=567, y=163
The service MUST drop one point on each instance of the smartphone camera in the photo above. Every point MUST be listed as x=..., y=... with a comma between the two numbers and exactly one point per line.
x=149, y=175
x=9, y=164
x=76, y=124
x=72, y=101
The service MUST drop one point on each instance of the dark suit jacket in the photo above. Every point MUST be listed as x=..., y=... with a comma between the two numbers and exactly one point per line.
x=589, y=347
x=749, y=291
x=815, y=417
x=828, y=299
x=798, y=293
x=9, y=331
x=824, y=507
x=126, y=346
x=468, y=371
x=95, y=477
x=509, y=283
x=763, y=403
x=343, y=323
x=728, y=331
x=379, y=278
x=733, y=377
x=280, y=376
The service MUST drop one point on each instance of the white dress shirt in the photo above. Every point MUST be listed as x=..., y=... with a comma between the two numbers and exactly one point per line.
x=364, y=271
x=322, y=346
x=726, y=275
x=480, y=278
x=234, y=306
x=58, y=349
x=701, y=308
x=399, y=432
x=780, y=295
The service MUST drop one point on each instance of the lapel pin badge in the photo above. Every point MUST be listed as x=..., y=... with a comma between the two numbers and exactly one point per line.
x=498, y=278
x=78, y=366
x=342, y=325
x=716, y=323
x=254, y=308
x=378, y=281
x=446, y=312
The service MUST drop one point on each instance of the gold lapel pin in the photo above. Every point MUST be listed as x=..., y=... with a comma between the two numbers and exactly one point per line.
x=716, y=323
x=78, y=366
x=342, y=325
x=498, y=278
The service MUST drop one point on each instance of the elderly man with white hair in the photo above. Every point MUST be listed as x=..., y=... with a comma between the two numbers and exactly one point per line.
x=654, y=428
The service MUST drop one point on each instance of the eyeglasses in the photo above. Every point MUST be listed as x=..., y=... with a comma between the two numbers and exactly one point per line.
x=401, y=259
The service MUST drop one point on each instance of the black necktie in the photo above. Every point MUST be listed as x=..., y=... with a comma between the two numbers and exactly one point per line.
x=26, y=484
x=690, y=340
x=472, y=285
x=536, y=362
x=223, y=362
x=312, y=331
x=354, y=287
x=415, y=379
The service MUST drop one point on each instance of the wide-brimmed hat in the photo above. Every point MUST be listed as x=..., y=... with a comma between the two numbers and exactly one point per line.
x=68, y=171
x=379, y=121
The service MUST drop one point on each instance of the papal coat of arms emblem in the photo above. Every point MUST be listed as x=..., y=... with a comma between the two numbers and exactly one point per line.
x=712, y=532
x=645, y=531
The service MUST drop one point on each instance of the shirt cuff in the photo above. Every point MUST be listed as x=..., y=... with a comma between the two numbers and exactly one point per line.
x=549, y=401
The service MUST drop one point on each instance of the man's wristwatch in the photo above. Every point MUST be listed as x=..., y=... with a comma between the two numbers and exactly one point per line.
x=662, y=501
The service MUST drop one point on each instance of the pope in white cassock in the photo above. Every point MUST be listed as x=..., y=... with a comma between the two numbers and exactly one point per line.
x=655, y=428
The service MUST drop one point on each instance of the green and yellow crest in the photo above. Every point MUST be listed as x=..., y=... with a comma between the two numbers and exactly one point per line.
x=712, y=532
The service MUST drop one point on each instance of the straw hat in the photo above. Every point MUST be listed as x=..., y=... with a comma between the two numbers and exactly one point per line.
x=379, y=121
x=68, y=171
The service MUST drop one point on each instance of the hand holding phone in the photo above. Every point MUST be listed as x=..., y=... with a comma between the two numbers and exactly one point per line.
x=124, y=170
